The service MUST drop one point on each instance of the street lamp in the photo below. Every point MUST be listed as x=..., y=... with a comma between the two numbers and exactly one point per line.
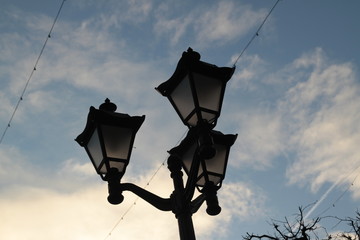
x=108, y=139
x=196, y=91
x=208, y=170
x=206, y=174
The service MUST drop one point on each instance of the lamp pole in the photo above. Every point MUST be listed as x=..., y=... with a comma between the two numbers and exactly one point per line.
x=196, y=91
x=182, y=208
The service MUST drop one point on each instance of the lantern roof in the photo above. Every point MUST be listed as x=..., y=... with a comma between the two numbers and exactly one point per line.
x=192, y=137
x=107, y=117
x=190, y=62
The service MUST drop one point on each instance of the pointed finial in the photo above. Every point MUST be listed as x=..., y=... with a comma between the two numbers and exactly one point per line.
x=108, y=106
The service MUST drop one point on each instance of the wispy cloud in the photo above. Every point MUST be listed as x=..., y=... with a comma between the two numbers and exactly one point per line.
x=324, y=113
x=226, y=21
x=313, y=118
x=214, y=23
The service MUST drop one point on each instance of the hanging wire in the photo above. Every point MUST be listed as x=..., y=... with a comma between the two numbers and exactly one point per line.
x=256, y=33
x=333, y=204
x=135, y=201
x=21, y=98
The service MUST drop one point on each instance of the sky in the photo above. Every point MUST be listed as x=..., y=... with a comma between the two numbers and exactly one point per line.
x=293, y=101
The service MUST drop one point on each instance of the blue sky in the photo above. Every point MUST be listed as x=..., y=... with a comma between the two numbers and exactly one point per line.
x=294, y=101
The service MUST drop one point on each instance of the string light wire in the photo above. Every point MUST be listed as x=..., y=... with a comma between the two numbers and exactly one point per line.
x=135, y=201
x=333, y=204
x=32, y=73
x=256, y=33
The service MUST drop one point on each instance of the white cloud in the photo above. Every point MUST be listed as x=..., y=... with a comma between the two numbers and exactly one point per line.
x=33, y=212
x=85, y=57
x=314, y=119
x=40, y=101
x=175, y=27
x=84, y=213
x=241, y=201
x=322, y=120
x=74, y=167
x=6, y=107
x=325, y=108
x=15, y=168
x=226, y=21
x=248, y=73
x=261, y=138
x=218, y=23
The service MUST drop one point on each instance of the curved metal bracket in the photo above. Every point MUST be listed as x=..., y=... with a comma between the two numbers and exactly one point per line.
x=163, y=204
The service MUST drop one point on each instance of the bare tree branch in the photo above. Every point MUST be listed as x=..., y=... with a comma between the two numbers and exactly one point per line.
x=285, y=230
x=304, y=229
x=354, y=223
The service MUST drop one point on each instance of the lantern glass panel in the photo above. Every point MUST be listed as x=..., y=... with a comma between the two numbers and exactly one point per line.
x=182, y=98
x=94, y=149
x=208, y=91
x=201, y=180
x=117, y=141
x=217, y=163
x=188, y=158
x=215, y=179
x=209, y=117
x=103, y=170
x=214, y=167
x=212, y=178
x=193, y=120
x=119, y=165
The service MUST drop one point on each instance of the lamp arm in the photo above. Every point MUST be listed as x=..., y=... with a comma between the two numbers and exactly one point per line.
x=197, y=202
x=163, y=204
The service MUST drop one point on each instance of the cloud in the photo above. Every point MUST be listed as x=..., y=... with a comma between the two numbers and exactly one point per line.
x=84, y=56
x=215, y=23
x=176, y=28
x=14, y=167
x=6, y=108
x=83, y=213
x=261, y=138
x=323, y=114
x=40, y=101
x=239, y=202
x=249, y=73
x=312, y=116
x=32, y=212
x=226, y=21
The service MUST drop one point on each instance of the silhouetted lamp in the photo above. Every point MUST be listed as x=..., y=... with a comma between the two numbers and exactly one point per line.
x=207, y=174
x=108, y=139
x=208, y=170
x=196, y=89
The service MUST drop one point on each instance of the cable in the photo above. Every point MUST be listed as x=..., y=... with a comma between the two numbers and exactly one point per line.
x=135, y=201
x=31, y=74
x=332, y=205
x=256, y=33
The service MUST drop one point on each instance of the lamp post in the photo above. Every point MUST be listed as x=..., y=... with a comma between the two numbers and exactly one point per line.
x=196, y=91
